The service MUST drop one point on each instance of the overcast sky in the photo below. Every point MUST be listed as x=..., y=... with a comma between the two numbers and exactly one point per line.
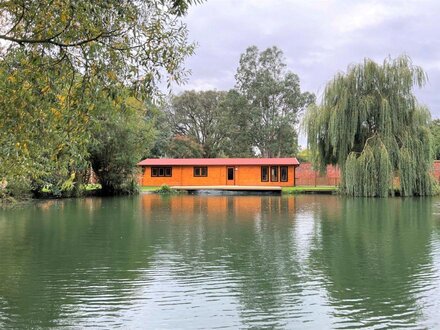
x=319, y=38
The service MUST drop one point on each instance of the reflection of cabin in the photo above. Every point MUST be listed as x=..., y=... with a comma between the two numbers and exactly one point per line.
x=189, y=208
x=219, y=171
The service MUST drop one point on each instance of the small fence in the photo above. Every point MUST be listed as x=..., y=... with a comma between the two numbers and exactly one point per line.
x=305, y=175
x=317, y=181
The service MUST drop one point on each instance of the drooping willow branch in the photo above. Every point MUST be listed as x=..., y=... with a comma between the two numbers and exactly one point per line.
x=371, y=125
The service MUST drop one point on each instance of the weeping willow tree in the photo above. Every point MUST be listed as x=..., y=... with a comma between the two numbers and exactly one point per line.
x=370, y=124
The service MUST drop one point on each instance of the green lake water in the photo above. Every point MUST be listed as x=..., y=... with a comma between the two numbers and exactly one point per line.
x=197, y=262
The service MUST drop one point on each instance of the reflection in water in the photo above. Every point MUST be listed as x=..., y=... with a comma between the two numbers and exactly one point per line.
x=377, y=257
x=154, y=261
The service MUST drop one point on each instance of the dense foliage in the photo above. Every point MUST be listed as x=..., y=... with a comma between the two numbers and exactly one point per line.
x=70, y=72
x=209, y=124
x=119, y=137
x=198, y=116
x=275, y=100
x=134, y=42
x=370, y=124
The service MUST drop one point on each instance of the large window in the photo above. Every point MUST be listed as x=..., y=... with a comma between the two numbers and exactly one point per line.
x=264, y=173
x=284, y=174
x=274, y=173
x=200, y=171
x=161, y=171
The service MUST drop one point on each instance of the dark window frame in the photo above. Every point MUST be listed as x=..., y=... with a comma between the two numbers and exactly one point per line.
x=200, y=169
x=287, y=173
x=272, y=176
x=154, y=172
x=167, y=171
x=233, y=173
x=267, y=173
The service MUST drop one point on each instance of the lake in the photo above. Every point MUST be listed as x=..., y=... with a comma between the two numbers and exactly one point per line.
x=197, y=262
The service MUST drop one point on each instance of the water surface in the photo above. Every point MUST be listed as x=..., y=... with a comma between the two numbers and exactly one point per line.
x=189, y=262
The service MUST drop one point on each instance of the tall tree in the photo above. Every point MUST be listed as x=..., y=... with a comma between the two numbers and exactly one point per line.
x=119, y=136
x=208, y=123
x=61, y=60
x=275, y=97
x=180, y=146
x=236, y=123
x=197, y=115
x=43, y=134
x=370, y=124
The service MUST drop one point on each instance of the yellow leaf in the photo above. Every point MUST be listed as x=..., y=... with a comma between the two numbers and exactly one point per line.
x=45, y=89
x=56, y=112
x=61, y=98
x=111, y=75
x=64, y=17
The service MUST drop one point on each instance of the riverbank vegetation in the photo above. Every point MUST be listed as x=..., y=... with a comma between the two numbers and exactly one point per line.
x=82, y=115
x=80, y=98
x=76, y=81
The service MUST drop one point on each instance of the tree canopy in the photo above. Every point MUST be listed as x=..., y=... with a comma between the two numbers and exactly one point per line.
x=72, y=73
x=275, y=100
x=216, y=121
x=133, y=42
x=371, y=125
x=198, y=116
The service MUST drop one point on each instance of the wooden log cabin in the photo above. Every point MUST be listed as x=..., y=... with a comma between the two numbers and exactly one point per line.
x=218, y=171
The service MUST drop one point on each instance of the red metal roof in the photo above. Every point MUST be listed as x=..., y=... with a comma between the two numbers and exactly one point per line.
x=217, y=161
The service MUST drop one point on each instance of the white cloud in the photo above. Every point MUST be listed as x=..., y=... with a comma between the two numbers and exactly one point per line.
x=363, y=15
x=319, y=38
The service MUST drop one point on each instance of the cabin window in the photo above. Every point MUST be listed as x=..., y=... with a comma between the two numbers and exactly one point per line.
x=274, y=173
x=264, y=173
x=284, y=174
x=161, y=171
x=154, y=171
x=200, y=171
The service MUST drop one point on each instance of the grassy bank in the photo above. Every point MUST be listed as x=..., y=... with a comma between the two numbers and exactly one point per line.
x=164, y=189
x=149, y=188
x=310, y=190
x=286, y=190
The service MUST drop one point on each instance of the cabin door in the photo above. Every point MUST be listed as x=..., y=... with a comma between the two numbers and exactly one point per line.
x=230, y=175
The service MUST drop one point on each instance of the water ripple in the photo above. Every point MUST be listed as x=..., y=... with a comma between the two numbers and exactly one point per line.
x=223, y=262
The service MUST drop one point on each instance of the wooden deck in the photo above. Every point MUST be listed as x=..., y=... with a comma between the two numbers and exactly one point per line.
x=230, y=188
